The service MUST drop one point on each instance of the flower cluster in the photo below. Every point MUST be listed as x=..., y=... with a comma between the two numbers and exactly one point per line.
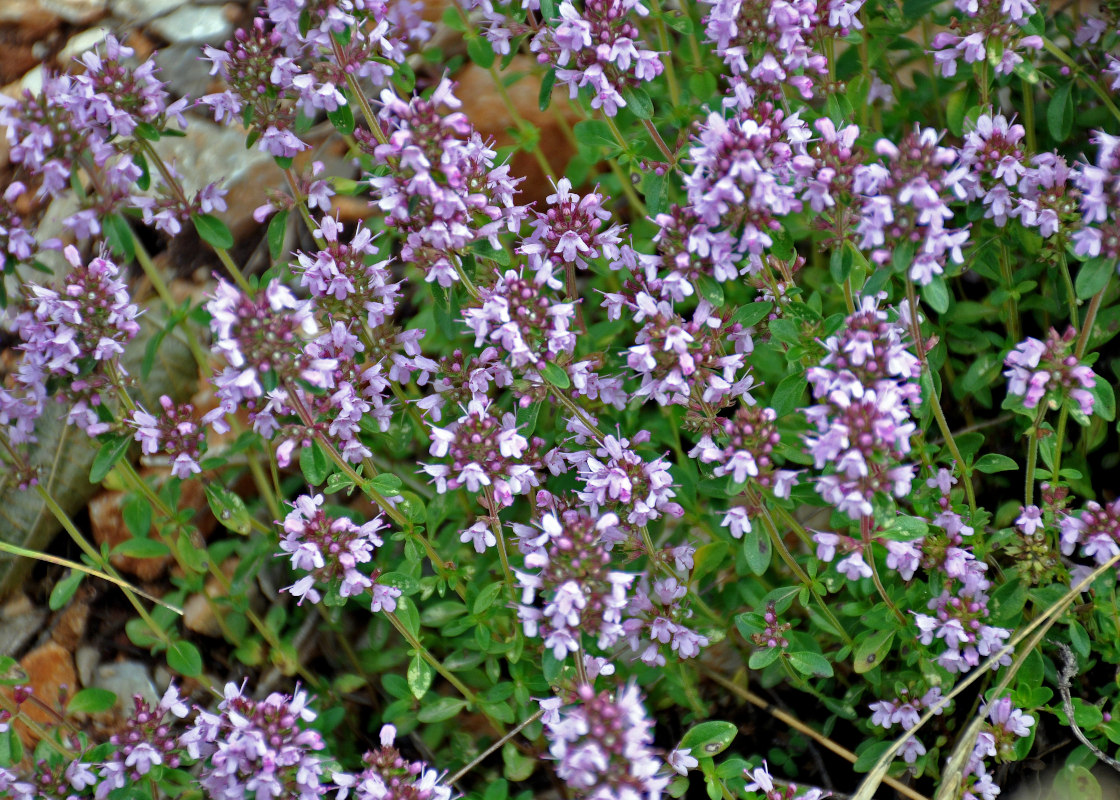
x=657, y=618
x=1047, y=371
x=580, y=591
x=986, y=26
x=906, y=712
x=602, y=743
x=905, y=204
x=257, y=747
x=1100, y=198
x=175, y=432
x=772, y=42
x=992, y=157
x=570, y=232
x=330, y=550
x=960, y=621
x=522, y=318
x=615, y=477
x=1096, y=530
x=77, y=333
x=387, y=775
x=596, y=43
x=1006, y=724
x=148, y=740
x=442, y=191
x=743, y=179
x=487, y=454
x=865, y=387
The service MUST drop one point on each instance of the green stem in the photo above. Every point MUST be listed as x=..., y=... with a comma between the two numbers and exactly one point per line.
x=1071, y=293
x=1032, y=455
x=173, y=184
x=935, y=401
x=499, y=536
x=780, y=546
x=1014, y=328
x=433, y=662
x=1028, y=115
x=359, y=95
x=95, y=556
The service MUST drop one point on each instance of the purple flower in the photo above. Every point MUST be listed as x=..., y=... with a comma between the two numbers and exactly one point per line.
x=150, y=739
x=656, y=618
x=1096, y=529
x=581, y=593
x=598, y=44
x=257, y=748
x=1048, y=371
x=330, y=550
x=175, y=432
x=602, y=743
x=387, y=775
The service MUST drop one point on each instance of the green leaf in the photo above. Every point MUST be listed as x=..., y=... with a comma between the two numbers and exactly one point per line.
x=1059, y=114
x=527, y=418
x=638, y=102
x=486, y=598
x=343, y=119
x=555, y=375
x=119, y=235
x=146, y=130
x=212, y=231
x=64, y=590
x=1104, y=400
x=761, y=659
x=678, y=21
x=936, y=295
x=904, y=528
x=708, y=558
x=787, y=396
x=655, y=188
x=277, y=230
x=480, y=51
x=419, y=676
x=548, y=10
x=709, y=738
x=141, y=548
x=994, y=462
x=868, y=758
x=518, y=767
x=137, y=515
x=145, y=179
x=810, y=664
x=544, y=98
x=442, y=709
x=314, y=464
x=386, y=484
x=752, y=313
x=1093, y=276
x=184, y=658
x=871, y=650
x=710, y=290
x=91, y=701
x=229, y=509
x=757, y=550
x=111, y=451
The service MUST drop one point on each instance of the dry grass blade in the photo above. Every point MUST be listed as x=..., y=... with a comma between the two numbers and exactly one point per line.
x=878, y=773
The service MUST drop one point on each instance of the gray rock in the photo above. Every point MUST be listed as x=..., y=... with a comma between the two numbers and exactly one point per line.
x=195, y=24
x=19, y=622
x=139, y=12
x=126, y=679
x=76, y=11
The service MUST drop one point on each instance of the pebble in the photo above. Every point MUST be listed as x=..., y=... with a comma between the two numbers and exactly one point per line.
x=195, y=24
x=140, y=12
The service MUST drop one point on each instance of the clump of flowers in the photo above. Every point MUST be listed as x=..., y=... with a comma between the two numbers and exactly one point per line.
x=1095, y=529
x=596, y=43
x=258, y=747
x=150, y=739
x=656, y=618
x=487, y=454
x=906, y=711
x=388, y=775
x=960, y=622
x=580, y=591
x=175, y=432
x=986, y=26
x=602, y=742
x=330, y=550
x=1047, y=371
x=865, y=390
